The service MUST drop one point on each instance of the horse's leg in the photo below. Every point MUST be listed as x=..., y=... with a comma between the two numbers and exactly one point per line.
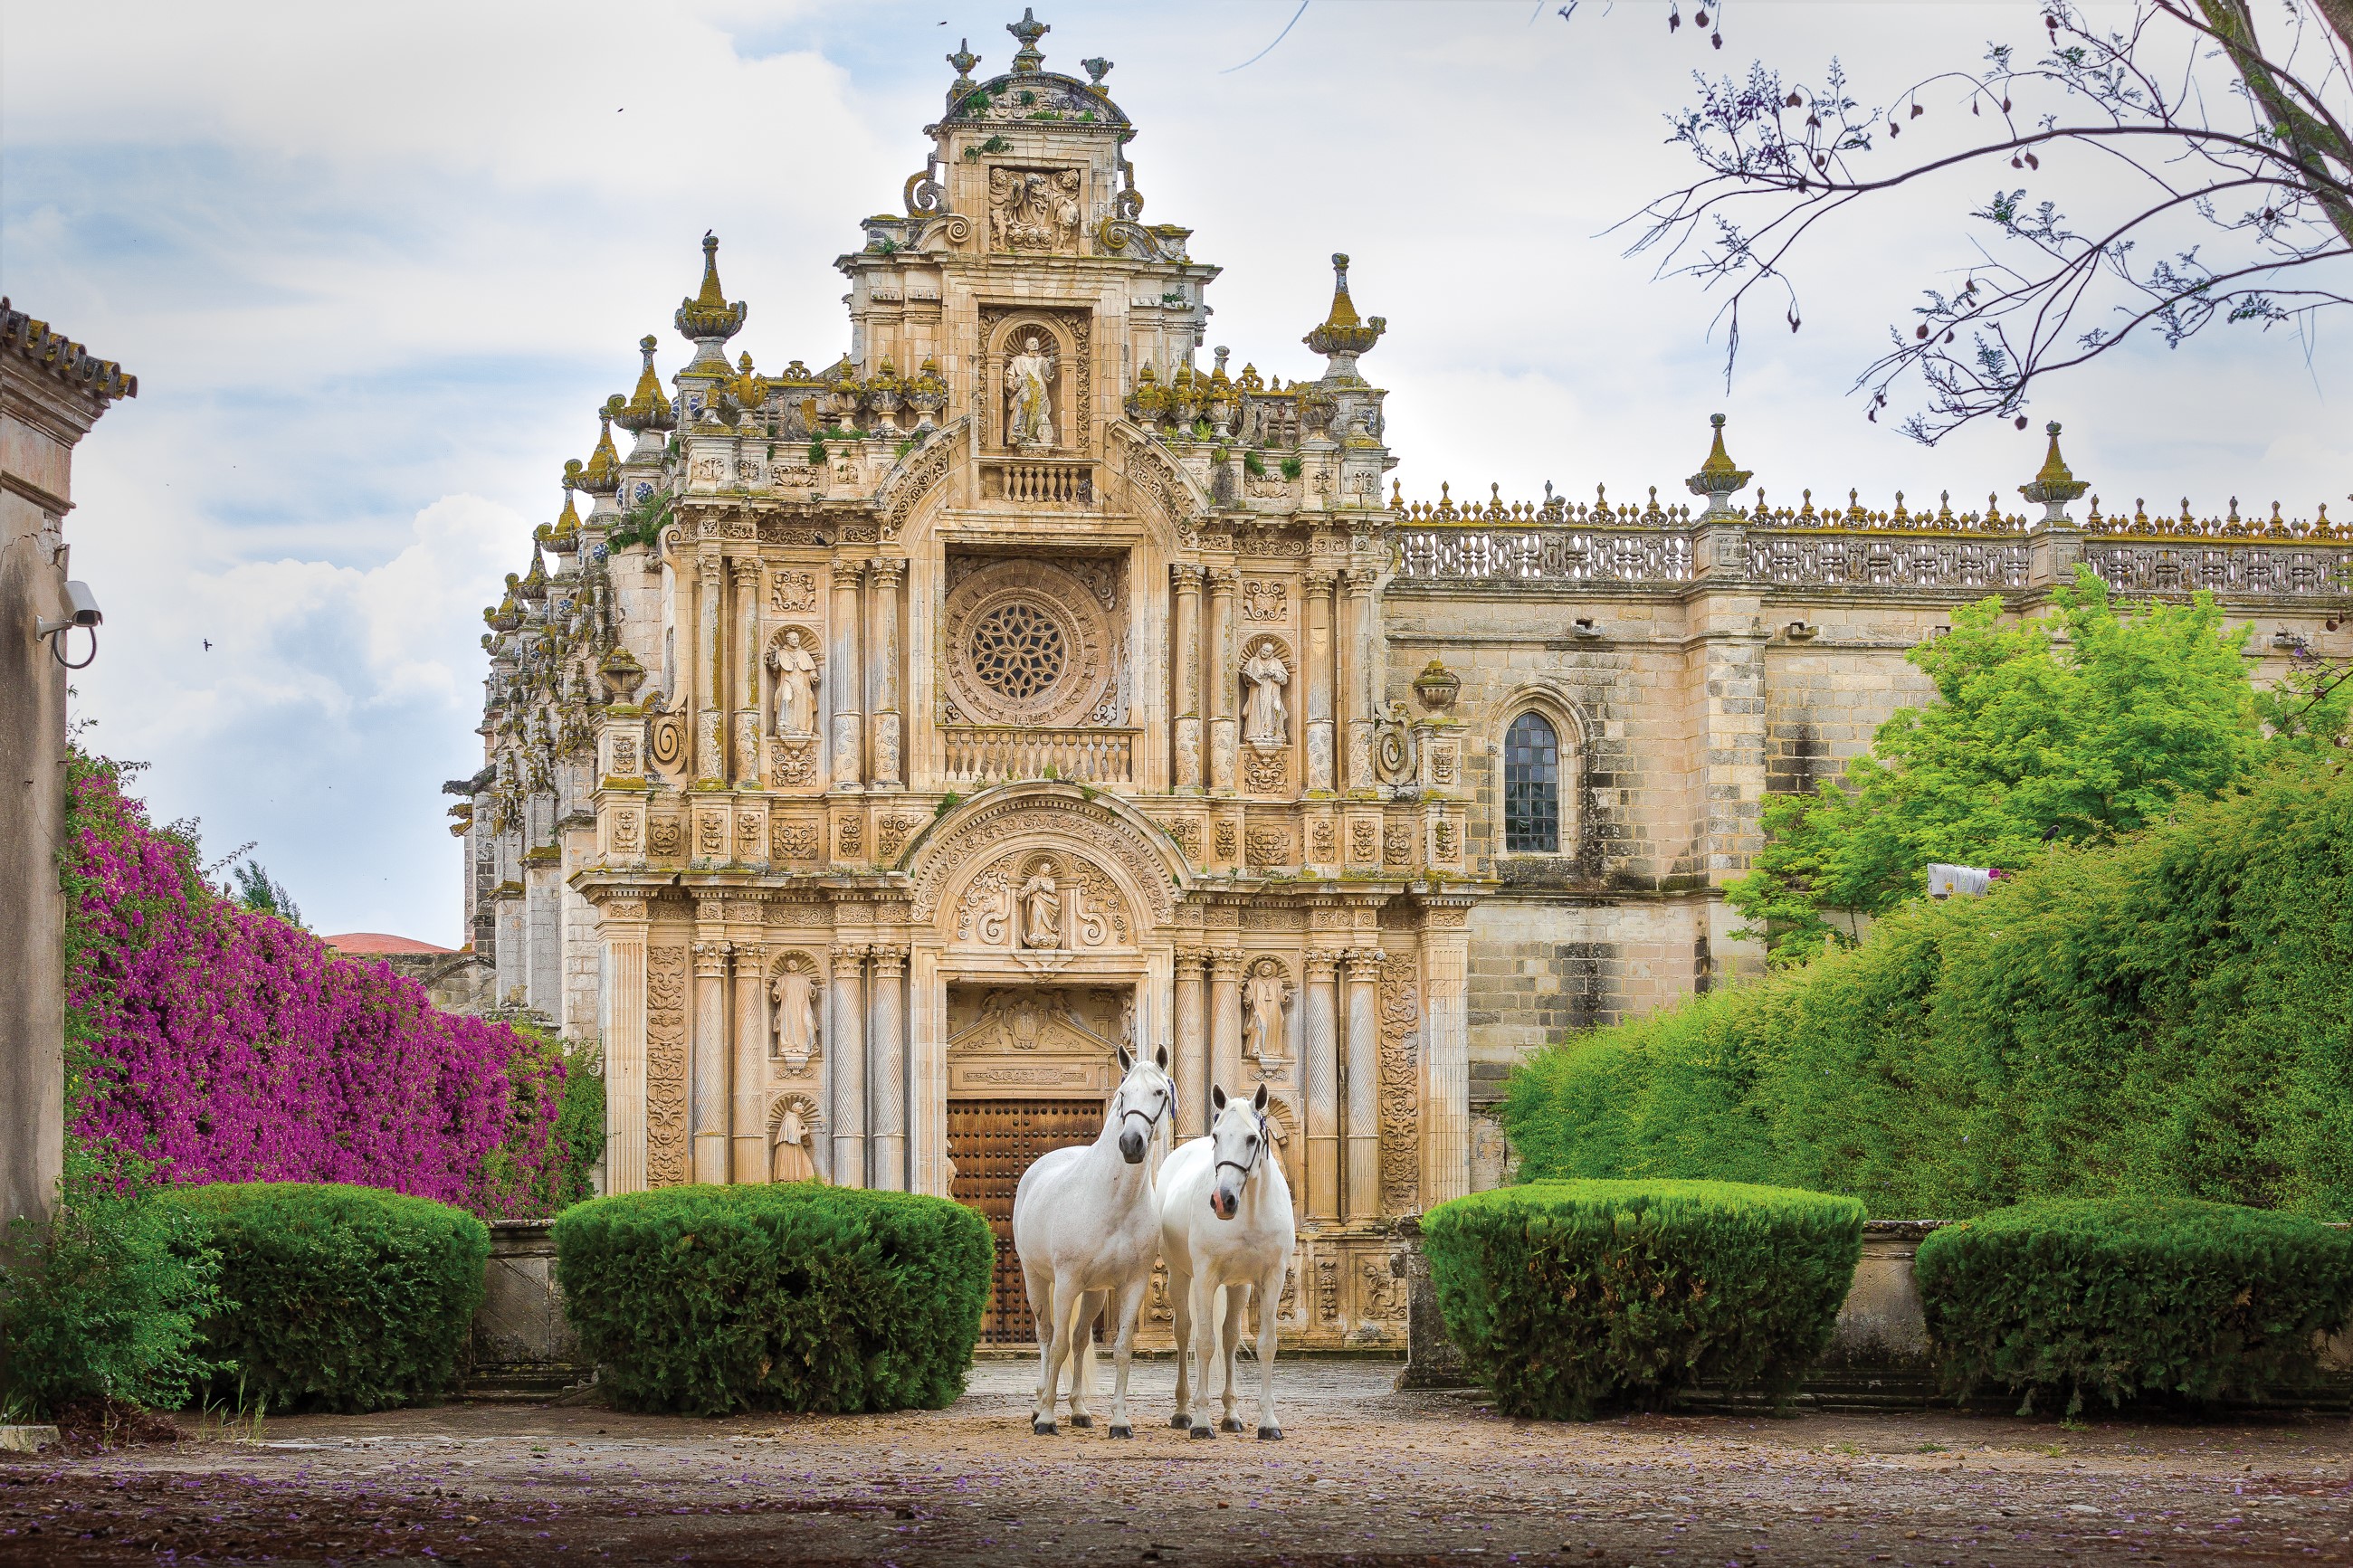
x=1082, y=1357
x=1269, y=1306
x=1129, y=1307
x=1205, y=1347
x=1237, y=1307
x=1052, y=1337
x=1180, y=1305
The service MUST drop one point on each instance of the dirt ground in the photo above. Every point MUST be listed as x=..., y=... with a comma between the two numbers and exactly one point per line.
x=1365, y=1475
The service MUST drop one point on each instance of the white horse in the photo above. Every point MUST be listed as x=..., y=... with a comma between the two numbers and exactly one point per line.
x=1226, y=1222
x=1087, y=1227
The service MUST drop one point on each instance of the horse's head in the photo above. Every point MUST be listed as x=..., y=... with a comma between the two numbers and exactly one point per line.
x=1146, y=1097
x=1238, y=1142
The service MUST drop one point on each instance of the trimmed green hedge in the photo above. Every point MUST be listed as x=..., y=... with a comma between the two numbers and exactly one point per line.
x=798, y=1297
x=2125, y=1297
x=341, y=1297
x=1568, y=1298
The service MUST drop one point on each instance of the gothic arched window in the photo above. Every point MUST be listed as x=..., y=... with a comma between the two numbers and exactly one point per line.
x=1531, y=787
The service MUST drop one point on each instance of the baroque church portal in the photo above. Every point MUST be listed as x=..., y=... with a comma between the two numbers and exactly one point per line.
x=890, y=742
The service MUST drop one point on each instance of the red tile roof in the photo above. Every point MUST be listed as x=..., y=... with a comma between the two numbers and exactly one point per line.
x=376, y=942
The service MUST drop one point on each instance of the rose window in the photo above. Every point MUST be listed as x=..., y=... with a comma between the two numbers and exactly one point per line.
x=1018, y=651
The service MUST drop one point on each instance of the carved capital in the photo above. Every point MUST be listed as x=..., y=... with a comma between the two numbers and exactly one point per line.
x=1320, y=583
x=1364, y=964
x=849, y=960
x=1223, y=580
x=710, y=958
x=1324, y=963
x=847, y=571
x=712, y=568
x=1226, y=963
x=747, y=569
x=890, y=963
x=885, y=572
x=1360, y=580
x=1190, y=961
x=1187, y=576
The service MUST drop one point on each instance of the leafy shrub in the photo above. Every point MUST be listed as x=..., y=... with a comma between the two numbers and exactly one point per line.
x=1571, y=1297
x=797, y=1297
x=2165, y=1016
x=224, y=1044
x=341, y=1297
x=2123, y=1296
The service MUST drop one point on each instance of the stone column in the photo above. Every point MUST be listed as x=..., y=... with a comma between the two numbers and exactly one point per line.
x=748, y=1153
x=1225, y=1020
x=845, y=681
x=1218, y=676
x=845, y=1043
x=1361, y=1188
x=624, y=921
x=1446, y=1088
x=1185, y=675
x=1357, y=700
x=1322, y=1050
x=1320, y=773
x=882, y=580
x=1192, y=1049
x=887, y=1082
x=711, y=677
x=927, y=1076
x=747, y=771
x=707, y=1112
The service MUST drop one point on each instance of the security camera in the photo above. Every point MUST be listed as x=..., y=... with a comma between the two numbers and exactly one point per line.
x=84, y=613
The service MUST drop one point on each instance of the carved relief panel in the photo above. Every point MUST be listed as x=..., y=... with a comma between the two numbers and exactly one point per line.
x=1031, y=642
x=1043, y=905
x=1036, y=212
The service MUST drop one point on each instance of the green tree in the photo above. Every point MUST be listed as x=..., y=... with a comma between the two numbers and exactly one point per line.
x=253, y=888
x=2073, y=729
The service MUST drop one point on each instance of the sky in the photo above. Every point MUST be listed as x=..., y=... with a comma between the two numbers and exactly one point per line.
x=375, y=267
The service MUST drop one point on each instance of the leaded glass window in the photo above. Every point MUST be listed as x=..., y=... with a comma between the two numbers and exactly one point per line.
x=1531, y=787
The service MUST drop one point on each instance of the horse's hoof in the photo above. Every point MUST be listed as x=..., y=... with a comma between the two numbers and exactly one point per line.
x=1120, y=1432
x=1270, y=1434
x=1042, y=1429
x=1201, y=1432
x=1082, y=1422
x=1182, y=1422
x=1229, y=1425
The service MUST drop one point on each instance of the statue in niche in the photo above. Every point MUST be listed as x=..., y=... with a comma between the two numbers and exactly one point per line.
x=1028, y=413
x=791, y=1162
x=1041, y=908
x=1262, y=998
x=1066, y=211
x=795, y=668
x=1264, y=714
x=791, y=1001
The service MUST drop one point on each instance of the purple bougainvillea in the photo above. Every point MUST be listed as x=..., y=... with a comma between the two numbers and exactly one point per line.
x=220, y=1045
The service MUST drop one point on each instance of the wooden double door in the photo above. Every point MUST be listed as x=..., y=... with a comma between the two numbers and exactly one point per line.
x=991, y=1143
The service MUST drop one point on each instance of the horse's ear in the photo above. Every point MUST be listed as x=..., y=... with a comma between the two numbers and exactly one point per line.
x=1162, y=1058
x=1126, y=1062
x=1217, y=1095
x=1259, y=1103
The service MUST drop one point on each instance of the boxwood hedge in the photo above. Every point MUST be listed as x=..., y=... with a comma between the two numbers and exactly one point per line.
x=796, y=1297
x=2131, y=1296
x=342, y=1298
x=1570, y=1298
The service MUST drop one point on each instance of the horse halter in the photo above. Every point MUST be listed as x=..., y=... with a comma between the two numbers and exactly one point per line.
x=1257, y=1154
x=1152, y=1120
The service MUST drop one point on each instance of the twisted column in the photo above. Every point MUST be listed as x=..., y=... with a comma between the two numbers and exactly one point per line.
x=746, y=723
x=1192, y=1048
x=707, y=1112
x=1361, y=1188
x=1323, y=1052
x=887, y=1082
x=1356, y=699
x=1219, y=675
x=1319, y=680
x=882, y=580
x=1185, y=673
x=844, y=679
x=1225, y=1020
x=846, y=1048
x=711, y=676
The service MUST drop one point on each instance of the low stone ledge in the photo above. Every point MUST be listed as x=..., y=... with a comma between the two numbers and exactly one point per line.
x=28, y=1439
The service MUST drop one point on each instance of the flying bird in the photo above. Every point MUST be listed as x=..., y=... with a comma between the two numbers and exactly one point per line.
x=208, y=645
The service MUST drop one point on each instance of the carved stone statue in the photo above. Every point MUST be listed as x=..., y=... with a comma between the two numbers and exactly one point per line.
x=1028, y=412
x=791, y=1162
x=796, y=671
x=1041, y=908
x=792, y=1000
x=1264, y=713
x=1262, y=998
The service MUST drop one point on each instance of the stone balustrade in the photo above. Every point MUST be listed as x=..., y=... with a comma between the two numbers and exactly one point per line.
x=1041, y=483
x=977, y=753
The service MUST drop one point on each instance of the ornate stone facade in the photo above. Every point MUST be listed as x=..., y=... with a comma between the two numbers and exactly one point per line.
x=895, y=741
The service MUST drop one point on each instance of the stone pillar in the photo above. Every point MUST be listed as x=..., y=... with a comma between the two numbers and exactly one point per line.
x=1323, y=1050
x=1318, y=681
x=1361, y=1187
x=624, y=921
x=1357, y=700
x=845, y=1041
x=844, y=679
x=1192, y=1048
x=887, y=1082
x=711, y=676
x=927, y=1076
x=748, y=1148
x=882, y=580
x=1185, y=676
x=747, y=662
x=707, y=1112
x=1218, y=676
x=1446, y=1086
x=1225, y=1020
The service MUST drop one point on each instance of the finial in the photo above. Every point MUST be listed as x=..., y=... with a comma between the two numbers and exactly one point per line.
x=1096, y=68
x=1344, y=334
x=602, y=476
x=1717, y=478
x=646, y=409
x=1029, y=30
x=964, y=59
x=708, y=320
x=2054, y=486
